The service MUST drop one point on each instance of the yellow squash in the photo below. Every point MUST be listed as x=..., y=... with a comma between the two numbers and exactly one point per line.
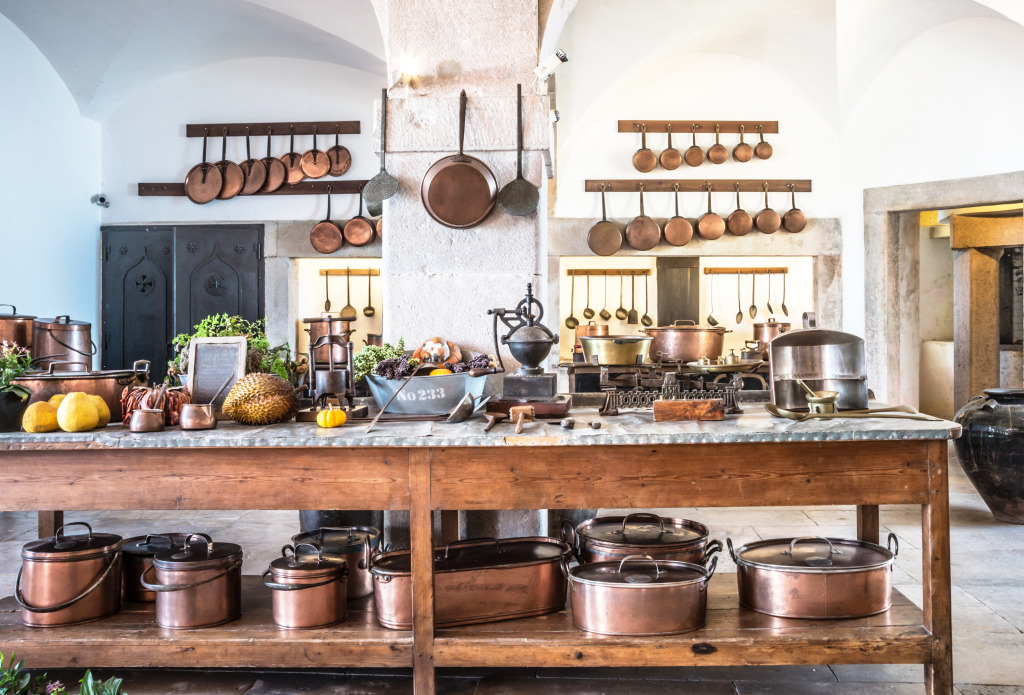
x=332, y=417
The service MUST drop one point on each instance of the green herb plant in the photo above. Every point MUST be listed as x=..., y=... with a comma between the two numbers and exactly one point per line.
x=92, y=686
x=15, y=680
x=366, y=359
x=14, y=361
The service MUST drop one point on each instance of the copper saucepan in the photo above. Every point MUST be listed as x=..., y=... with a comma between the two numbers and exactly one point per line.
x=255, y=170
x=326, y=236
x=234, y=177
x=359, y=230
x=604, y=238
x=678, y=230
x=315, y=163
x=742, y=152
x=739, y=222
x=710, y=225
x=717, y=154
x=292, y=162
x=767, y=221
x=339, y=156
x=642, y=232
x=795, y=220
x=204, y=181
x=644, y=160
x=276, y=171
x=670, y=158
x=763, y=150
x=694, y=155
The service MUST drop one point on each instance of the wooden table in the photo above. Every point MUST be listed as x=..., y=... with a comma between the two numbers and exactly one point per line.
x=750, y=460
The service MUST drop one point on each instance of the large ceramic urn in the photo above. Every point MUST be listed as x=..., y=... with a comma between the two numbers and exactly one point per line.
x=991, y=450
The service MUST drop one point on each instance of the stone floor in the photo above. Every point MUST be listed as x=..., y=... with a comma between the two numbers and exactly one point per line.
x=988, y=611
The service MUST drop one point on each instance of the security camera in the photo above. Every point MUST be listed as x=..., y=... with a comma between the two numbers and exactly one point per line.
x=547, y=66
x=101, y=199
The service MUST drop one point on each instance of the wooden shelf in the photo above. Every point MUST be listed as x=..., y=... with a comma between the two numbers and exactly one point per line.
x=354, y=272
x=697, y=185
x=779, y=270
x=318, y=187
x=615, y=272
x=732, y=635
x=683, y=127
x=131, y=638
x=197, y=130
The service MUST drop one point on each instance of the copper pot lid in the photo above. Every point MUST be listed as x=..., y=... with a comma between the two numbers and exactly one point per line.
x=638, y=570
x=815, y=554
x=63, y=323
x=340, y=539
x=150, y=545
x=642, y=529
x=64, y=546
x=203, y=181
x=772, y=322
x=14, y=315
x=198, y=552
x=305, y=561
x=327, y=319
x=479, y=555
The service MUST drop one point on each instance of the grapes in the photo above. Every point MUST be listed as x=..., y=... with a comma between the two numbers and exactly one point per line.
x=478, y=362
x=395, y=367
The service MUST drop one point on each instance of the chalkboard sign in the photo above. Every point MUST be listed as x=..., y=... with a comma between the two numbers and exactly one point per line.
x=211, y=361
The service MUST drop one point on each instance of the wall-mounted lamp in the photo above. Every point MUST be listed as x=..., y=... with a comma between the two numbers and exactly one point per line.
x=547, y=66
x=406, y=79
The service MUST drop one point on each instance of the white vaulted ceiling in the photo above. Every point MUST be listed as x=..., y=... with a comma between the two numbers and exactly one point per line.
x=104, y=50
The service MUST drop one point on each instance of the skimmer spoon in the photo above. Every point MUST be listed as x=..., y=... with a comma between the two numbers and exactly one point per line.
x=588, y=313
x=753, y=285
x=712, y=321
x=646, y=319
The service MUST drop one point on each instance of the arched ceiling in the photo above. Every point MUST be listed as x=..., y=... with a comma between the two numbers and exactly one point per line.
x=105, y=49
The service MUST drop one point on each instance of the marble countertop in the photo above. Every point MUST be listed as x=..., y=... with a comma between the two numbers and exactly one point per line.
x=628, y=428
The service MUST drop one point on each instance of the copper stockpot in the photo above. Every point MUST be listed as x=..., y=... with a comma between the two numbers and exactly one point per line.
x=62, y=339
x=138, y=556
x=821, y=578
x=612, y=598
x=356, y=544
x=329, y=324
x=199, y=585
x=476, y=581
x=69, y=579
x=612, y=538
x=766, y=331
x=685, y=341
x=308, y=590
x=588, y=329
x=16, y=328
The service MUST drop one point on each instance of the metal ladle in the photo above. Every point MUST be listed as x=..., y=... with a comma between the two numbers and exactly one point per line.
x=785, y=311
x=327, y=290
x=604, y=313
x=739, y=307
x=753, y=306
x=645, y=319
x=632, y=317
x=572, y=321
x=770, y=310
x=588, y=313
x=368, y=310
x=712, y=321
x=621, y=312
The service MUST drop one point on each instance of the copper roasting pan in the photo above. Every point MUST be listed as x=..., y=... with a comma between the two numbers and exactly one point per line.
x=476, y=581
x=814, y=577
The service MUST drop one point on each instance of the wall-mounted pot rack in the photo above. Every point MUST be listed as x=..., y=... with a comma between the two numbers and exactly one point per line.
x=323, y=128
x=301, y=188
x=746, y=271
x=578, y=272
x=353, y=272
x=697, y=185
x=683, y=127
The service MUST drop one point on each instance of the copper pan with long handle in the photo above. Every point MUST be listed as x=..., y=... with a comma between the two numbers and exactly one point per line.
x=255, y=170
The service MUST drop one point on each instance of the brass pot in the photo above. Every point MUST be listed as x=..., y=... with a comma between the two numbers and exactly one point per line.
x=685, y=341
x=69, y=579
x=138, y=557
x=615, y=349
x=821, y=578
x=612, y=538
x=108, y=384
x=16, y=328
x=356, y=544
x=308, y=589
x=645, y=597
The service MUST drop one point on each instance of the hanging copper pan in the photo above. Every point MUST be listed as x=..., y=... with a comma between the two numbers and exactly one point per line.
x=670, y=157
x=314, y=162
x=604, y=238
x=359, y=230
x=204, y=181
x=717, y=154
x=379, y=227
x=739, y=222
x=234, y=177
x=459, y=191
x=276, y=172
x=254, y=169
x=767, y=221
x=339, y=156
x=642, y=233
x=644, y=160
x=742, y=152
x=694, y=155
x=678, y=230
x=763, y=150
x=325, y=236
x=710, y=225
x=795, y=220
x=292, y=162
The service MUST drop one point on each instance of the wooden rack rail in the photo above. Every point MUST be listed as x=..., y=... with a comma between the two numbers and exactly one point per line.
x=683, y=127
x=197, y=130
x=301, y=188
x=607, y=271
x=697, y=185
x=354, y=272
x=745, y=271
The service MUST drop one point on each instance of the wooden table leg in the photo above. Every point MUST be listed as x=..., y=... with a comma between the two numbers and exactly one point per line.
x=421, y=527
x=49, y=522
x=867, y=523
x=938, y=675
x=449, y=526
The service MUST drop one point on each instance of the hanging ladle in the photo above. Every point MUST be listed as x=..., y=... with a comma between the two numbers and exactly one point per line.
x=770, y=310
x=604, y=313
x=753, y=285
x=712, y=321
x=646, y=320
x=368, y=310
x=739, y=307
x=588, y=313
x=572, y=321
x=785, y=310
x=327, y=290
x=348, y=311
x=621, y=314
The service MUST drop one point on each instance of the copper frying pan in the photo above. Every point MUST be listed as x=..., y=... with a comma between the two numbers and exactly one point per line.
x=739, y=222
x=644, y=160
x=710, y=225
x=678, y=230
x=339, y=156
x=670, y=157
x=642, y=232
x=325, y=236
x=254, y=169
x=717, y=154
x=276, y=172
x=359, y=230
x=795, y=220
x=767, y=221
x=742, y=152
x=204, y=181
x=234, y=177
x=314, y=162
x=292, y=163
x=459, y=191
x=604, y=238
x=694, y=155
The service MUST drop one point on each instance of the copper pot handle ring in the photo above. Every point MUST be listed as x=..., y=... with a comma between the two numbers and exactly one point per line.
x=657, y=567
x=191, y=585
x=648, y=515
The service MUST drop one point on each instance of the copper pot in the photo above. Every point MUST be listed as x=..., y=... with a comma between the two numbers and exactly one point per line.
x=588, y=329
x=766, y=331
x=16, y=328
x=476, y=581
x=138, y=557
x=199, y=585
x=821, y=578
x=356, y=544
x=329, y=324
x=62, y=339
x=108, y=384
x=308, y=589
x=685, y=341
x=612, y=538
x=645, y=597
x=69, y=579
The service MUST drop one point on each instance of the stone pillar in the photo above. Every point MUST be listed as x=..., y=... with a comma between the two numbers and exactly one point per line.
x=975, y=323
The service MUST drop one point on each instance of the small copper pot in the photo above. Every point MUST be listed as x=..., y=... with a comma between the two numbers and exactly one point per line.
x=199, y=585
x=309, y=590
x=766, y=331
x=197, y=416
x=69, y=579
x=138, y=557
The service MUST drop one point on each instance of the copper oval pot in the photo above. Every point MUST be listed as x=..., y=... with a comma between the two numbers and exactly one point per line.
x=612, y=538
x=16, y=328
x=766, y=331
x=685, y=341
x=356, y=544
x=138, y=555
x=197, y=586
x=108, y=384
x=67, y=580
x=308, y=588
x=814, y=577
x=62, y=339
x=640, y=595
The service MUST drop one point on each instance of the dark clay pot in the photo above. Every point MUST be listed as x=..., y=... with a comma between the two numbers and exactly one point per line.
x=12, y=407
x=991, y=450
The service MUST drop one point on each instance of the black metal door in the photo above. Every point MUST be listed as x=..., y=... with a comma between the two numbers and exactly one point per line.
x=218, y=270
x=137, y=311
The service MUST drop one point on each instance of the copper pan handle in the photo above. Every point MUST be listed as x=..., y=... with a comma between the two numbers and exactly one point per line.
x=732, y=551
x=892, y=544
x=831, y=548
x=49, y=372
x=341, y=573
x=711, y=572
x=497, y=544
x=657, y=567
x=14, y=309
x=191, y=585
x=571, y=538
x=710, y=550
x=647, y=515
x=59, y=536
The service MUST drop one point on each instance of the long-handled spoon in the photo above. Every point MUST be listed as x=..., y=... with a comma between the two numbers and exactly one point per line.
x=712, y=321
x=588, y=313
x=878, y=413
x=621, y=312
x=348, y=311
x=645, y=319
x=327, y=290
x=572, y=321
x=632, y=317
x=368, y=310
x=604, y=313
x=770, y=310
x=753, y=306
x=739, y=307
x=784, y=309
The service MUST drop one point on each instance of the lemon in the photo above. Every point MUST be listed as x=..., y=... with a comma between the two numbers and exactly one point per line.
x=40, y=417
x=440, y=372
x=77, y=413
x=56, y=399
x=102, y=410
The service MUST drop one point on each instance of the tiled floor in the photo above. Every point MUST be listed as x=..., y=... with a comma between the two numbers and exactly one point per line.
x=988, y=611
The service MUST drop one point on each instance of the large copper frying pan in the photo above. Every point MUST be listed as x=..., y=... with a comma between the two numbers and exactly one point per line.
x=459, y=191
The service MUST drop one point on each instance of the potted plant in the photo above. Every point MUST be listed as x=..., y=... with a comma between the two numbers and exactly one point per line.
x=14, y=361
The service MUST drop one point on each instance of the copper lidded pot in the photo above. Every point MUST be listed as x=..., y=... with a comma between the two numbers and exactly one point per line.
x=766, y=331
x=198, y=585
x=685, y=341
x=329, y=324
x=16, y=328
x=356, y=544
x=308, y=589
x=68, y=580
x=64, y=340
x=138, y=557
x=588, y=329
x=612, y=538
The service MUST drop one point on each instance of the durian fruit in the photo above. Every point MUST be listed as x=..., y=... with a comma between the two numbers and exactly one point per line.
x=261, y=399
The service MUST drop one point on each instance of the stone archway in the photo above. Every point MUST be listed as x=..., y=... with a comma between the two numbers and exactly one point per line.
x=891, y=285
